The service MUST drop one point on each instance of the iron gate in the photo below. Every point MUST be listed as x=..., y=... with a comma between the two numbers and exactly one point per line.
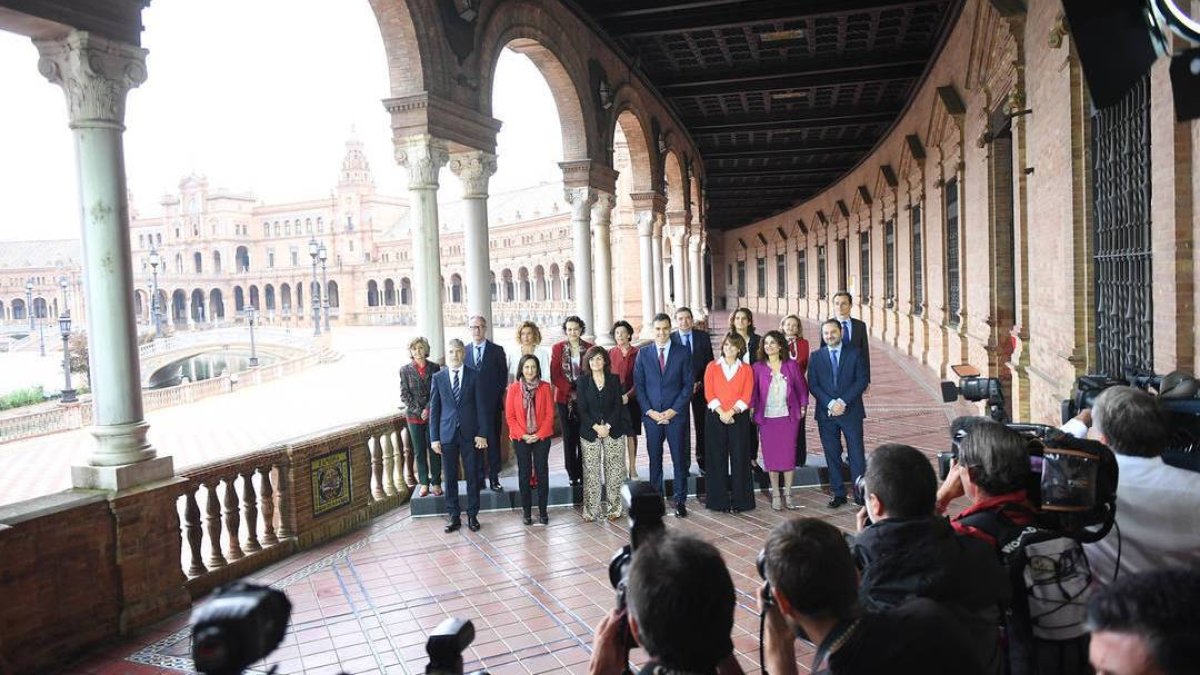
x=1123, y=266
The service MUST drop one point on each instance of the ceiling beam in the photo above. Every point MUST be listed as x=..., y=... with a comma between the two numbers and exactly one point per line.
x=798, y=78
x=636, y=19
x=792, y=121
x=784, y=150
x=714, y=173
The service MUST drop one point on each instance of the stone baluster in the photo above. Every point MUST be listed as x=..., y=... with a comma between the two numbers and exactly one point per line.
x=283, y=492
x=233, y=519
x=389, y=463
x=375, y=451
x=250, y=513
x=212, y=526
x=193, y=533
x=267, y=506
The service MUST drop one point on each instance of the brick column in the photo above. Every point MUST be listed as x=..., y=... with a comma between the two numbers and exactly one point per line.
x=96, y=74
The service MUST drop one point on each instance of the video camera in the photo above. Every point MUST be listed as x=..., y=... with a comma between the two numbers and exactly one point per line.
x=445, y=647
x=972, y=387
x=239, y=625
x=1177, y=392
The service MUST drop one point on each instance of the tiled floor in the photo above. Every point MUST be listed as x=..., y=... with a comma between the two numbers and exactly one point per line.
x=364, y=603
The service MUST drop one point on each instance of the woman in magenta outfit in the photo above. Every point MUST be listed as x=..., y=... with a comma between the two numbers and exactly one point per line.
x=780, y=400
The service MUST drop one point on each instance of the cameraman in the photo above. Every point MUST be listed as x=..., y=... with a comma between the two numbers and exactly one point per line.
x=811, y=592
x=1146, y=624
x=992, y=471
x=1158, y=506
x=680, y=602
x=904, y=551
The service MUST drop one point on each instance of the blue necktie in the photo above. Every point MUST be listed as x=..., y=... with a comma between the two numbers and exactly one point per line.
x=687, y=342
x=478, y=356
x=454, y=388
x=846, y=329
x=833, y=354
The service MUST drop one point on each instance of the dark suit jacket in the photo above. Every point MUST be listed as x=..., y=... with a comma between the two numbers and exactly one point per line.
x=597, y=406
x=858, y=340
x=458, y=422
x=849, y=385
x=493, y=372
x=752, y=347
x=671, y=388
x=702, y=352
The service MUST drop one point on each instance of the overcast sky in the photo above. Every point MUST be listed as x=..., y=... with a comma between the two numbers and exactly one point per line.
x=257, y=95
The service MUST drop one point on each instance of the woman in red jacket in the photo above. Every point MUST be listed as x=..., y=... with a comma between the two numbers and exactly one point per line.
x=566, y=366
x=529, y=411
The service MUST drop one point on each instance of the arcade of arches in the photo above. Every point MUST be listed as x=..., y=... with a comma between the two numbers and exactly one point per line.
x=999, y=220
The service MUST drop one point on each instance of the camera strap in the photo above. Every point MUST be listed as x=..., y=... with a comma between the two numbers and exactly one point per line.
x=834, y=641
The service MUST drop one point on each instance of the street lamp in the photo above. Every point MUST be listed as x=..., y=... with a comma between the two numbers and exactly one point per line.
x=62, y=283
x=251, y=312
x=29, y=303
x=323, y=255
x=155, y=260
x=314, y=250
x=64, y=327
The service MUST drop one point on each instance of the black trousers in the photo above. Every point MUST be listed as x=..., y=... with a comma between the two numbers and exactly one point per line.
x=802, y=445
x=728, y=474
x=572, y=457
x=699, y=417
x=491, y=457
x=535, y=456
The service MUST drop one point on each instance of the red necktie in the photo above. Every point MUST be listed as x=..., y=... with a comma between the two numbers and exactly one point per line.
x=792, y=346
x=662, y=361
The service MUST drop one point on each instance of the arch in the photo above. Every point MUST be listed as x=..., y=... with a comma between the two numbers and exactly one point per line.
x=525, y=288
x=241, y=259
x=39, y=308
x=198, y=262
x=198, y=314
x=179, y=306
x=456, y=289
x=300, y=298
x=539, y=283
x=495, y=289
x=389, y=292
x=636, y=133
x=569, y=281
x=674, y=183
x=269, y=297
x=697, y=207
x=405, y=291
x=406, y=47
x=216, y=304
x=285, y=298
x=555, y=282
x=216, y=262
x=372, y=293
x=239, y=299
x=331, y=292
x=506, y=282
x=139, y=304
x=556, y=58
x=18, y=310
x=254, y=297
x=2, y=315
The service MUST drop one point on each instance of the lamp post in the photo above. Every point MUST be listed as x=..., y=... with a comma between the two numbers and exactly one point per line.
x=64, y=327
x=29, y=303
x=62, y=283
x=323, y=255
x=251, y=312
x=314, y=250
x=155, y=260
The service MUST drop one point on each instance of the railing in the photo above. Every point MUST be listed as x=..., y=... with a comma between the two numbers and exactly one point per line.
x=241, y=514
x=267, y=336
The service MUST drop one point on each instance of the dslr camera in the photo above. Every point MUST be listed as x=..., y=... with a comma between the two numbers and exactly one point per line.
x=239, y=625
x=646, y=510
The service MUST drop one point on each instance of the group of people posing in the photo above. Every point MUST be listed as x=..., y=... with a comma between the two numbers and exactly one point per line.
x=752, y=394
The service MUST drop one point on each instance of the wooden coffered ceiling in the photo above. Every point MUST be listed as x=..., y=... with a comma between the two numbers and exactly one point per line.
x=782, y=97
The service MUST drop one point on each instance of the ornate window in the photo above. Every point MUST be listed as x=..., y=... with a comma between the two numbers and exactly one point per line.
x=918, y=261
x=953, y=289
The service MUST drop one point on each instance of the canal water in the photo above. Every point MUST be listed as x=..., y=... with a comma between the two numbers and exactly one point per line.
x=205, y=366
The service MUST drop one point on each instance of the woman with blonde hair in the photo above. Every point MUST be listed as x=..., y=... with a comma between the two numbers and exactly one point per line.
x=416, y=377
x=529, y=341
x=798, y=349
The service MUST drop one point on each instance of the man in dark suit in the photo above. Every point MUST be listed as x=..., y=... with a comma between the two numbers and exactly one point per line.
x=459, y=425
x=837, y=377
x=662, y=375
x=489, y=360
x=698, y=344
x=854, y=331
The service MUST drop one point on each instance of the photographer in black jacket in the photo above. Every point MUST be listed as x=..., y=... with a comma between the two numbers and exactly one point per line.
x=904, y=551
x=680, y=602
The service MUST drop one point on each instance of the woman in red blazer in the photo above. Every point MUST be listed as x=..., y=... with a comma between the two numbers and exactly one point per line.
x=793, y=332
x=529, y=411
x=566, y=365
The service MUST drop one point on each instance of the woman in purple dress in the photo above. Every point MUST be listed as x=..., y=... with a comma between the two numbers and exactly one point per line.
x=780, y=400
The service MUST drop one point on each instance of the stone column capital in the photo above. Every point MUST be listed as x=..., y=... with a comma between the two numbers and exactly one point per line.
x=603, y=208
x=581, y=200
x=645, y=223
x=423, y=156
x=693, y=240
x=95, y=73
x=474, y=169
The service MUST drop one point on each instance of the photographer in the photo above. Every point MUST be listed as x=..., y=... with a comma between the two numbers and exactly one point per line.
x=680, y=609
x=1157, y=505
x=811, y=591
x=992, y=472
x=904, y=551
x=1146, y=624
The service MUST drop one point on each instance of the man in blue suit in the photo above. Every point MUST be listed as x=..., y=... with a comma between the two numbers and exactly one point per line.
x=491, y=365
x=459, y=426
x=837, y=377
x=662, y=375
